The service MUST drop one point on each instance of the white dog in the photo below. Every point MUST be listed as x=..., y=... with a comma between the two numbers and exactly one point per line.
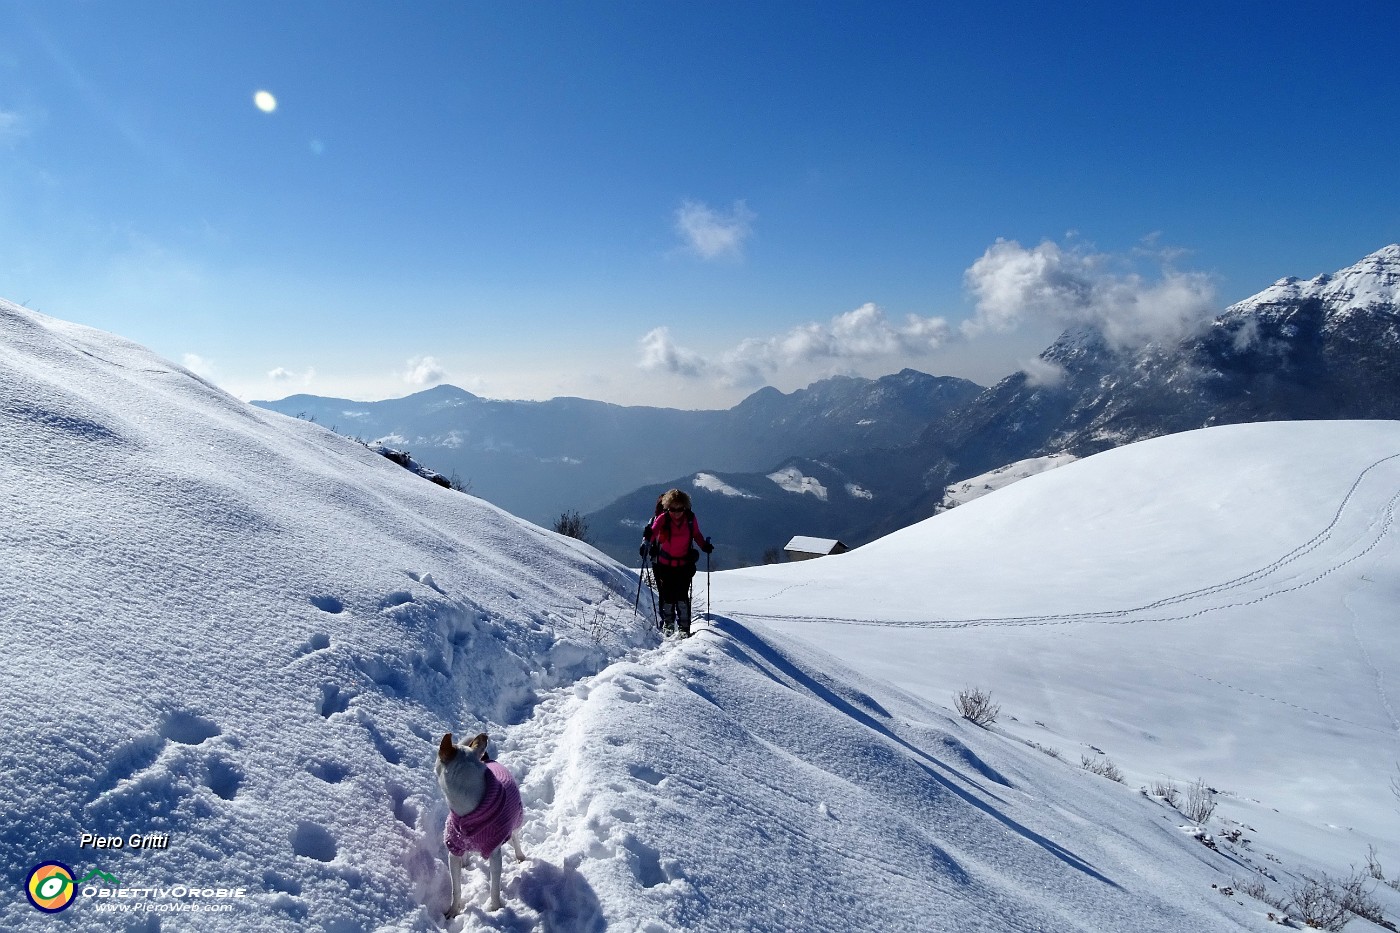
x=486, y=811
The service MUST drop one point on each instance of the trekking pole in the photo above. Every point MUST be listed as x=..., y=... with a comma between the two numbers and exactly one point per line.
x=707, y=580
x=641, y=578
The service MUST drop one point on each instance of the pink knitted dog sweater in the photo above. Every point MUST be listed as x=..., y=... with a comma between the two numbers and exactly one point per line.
x=488, y=826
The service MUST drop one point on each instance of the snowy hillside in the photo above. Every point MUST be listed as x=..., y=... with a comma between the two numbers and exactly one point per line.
x=1218, y=604
x=242, y=635
x=239, y=629
x=976, y=487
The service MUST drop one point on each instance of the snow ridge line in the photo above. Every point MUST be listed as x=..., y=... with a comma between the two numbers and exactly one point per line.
x=558, y=819
x=1121, y=616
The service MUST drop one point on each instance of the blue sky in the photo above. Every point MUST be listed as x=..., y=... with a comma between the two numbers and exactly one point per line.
x=675, y=202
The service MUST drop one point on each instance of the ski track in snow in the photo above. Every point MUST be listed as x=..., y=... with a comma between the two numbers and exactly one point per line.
x=1134, y=615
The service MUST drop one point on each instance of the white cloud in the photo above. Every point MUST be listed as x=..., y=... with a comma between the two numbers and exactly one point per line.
x=283, y=375
x=660, y=354
x=424, y=371
x=854, y=337
x=710, y=234
x=1075, y=287
x=199, y=365
x=1042, y=372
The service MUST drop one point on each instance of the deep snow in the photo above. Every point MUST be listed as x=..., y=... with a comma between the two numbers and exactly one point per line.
x=248, y=633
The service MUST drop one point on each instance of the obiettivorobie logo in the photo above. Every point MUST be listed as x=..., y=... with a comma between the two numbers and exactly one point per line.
x=51, y=888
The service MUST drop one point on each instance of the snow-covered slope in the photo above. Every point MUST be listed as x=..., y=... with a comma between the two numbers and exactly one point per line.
x=247, y=634
x=238, y=629
x=976, y=487
x=1218, y=604
x=1371, y=283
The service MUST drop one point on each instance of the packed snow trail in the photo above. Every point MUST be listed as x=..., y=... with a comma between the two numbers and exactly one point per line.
x=662, y=793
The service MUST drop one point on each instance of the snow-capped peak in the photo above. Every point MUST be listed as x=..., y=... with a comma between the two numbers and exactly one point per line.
x=1372, y=282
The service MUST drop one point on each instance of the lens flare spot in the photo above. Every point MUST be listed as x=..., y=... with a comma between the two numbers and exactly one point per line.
x=264, y=101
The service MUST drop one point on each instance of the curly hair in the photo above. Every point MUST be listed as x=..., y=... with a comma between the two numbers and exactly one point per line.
x=673, y=497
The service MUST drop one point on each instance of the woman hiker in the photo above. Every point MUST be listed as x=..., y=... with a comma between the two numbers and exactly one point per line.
x=668, y=540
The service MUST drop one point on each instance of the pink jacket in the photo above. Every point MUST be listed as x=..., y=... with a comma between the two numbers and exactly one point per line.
x=488, y=826
x=675, y=541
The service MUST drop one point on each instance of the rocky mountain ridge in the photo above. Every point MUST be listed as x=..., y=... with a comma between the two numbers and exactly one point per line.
x=539, y=459
x=1326, y=348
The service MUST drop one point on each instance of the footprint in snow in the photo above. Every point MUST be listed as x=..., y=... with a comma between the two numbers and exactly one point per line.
x=328, y=604
x=334, y=700
x=313, y=841
x=395, y=599
x=319, y=641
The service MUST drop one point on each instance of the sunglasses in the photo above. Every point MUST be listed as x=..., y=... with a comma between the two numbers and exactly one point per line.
x=676, y=509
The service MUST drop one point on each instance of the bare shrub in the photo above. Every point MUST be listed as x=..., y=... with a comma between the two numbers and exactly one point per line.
x=975, y=705
x=1102, y=766
x=1167, y=790
x=573, y=525
x=1373, y=865
x=1200, y=803
x=1045, y=749
x=1357, y=897
x=1320, y=903
x=1257, y=889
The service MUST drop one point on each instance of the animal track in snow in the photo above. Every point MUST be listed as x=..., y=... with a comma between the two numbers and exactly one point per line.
x=644, y=773
x=319, y=641
x=645, y=862
x=223, y=777
x=276, y=882
x=332, y=772
x=328, y=604
x=333, y=700
x=381, y=744
x=404, y=809
x=187, y=728
x=133, y=756
x=391, y=679
x=1256, y=586
x=313, y=841
x=395, y=599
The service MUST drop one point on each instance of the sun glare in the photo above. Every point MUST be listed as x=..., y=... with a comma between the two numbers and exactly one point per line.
x=264, y=101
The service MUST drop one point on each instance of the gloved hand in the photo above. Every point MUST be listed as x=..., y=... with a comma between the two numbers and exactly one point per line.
x=655, y=550
x=642, y=551
x=708, y=546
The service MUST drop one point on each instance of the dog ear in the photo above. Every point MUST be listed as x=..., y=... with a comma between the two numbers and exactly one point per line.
x=478, y=745
x=446, y=750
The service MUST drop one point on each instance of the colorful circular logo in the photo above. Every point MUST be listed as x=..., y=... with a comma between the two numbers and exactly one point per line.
x=50, y=887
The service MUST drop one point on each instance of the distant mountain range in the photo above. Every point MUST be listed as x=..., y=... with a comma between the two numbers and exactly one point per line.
x=855, y=459
x=1326, y=348
x=539, y=459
